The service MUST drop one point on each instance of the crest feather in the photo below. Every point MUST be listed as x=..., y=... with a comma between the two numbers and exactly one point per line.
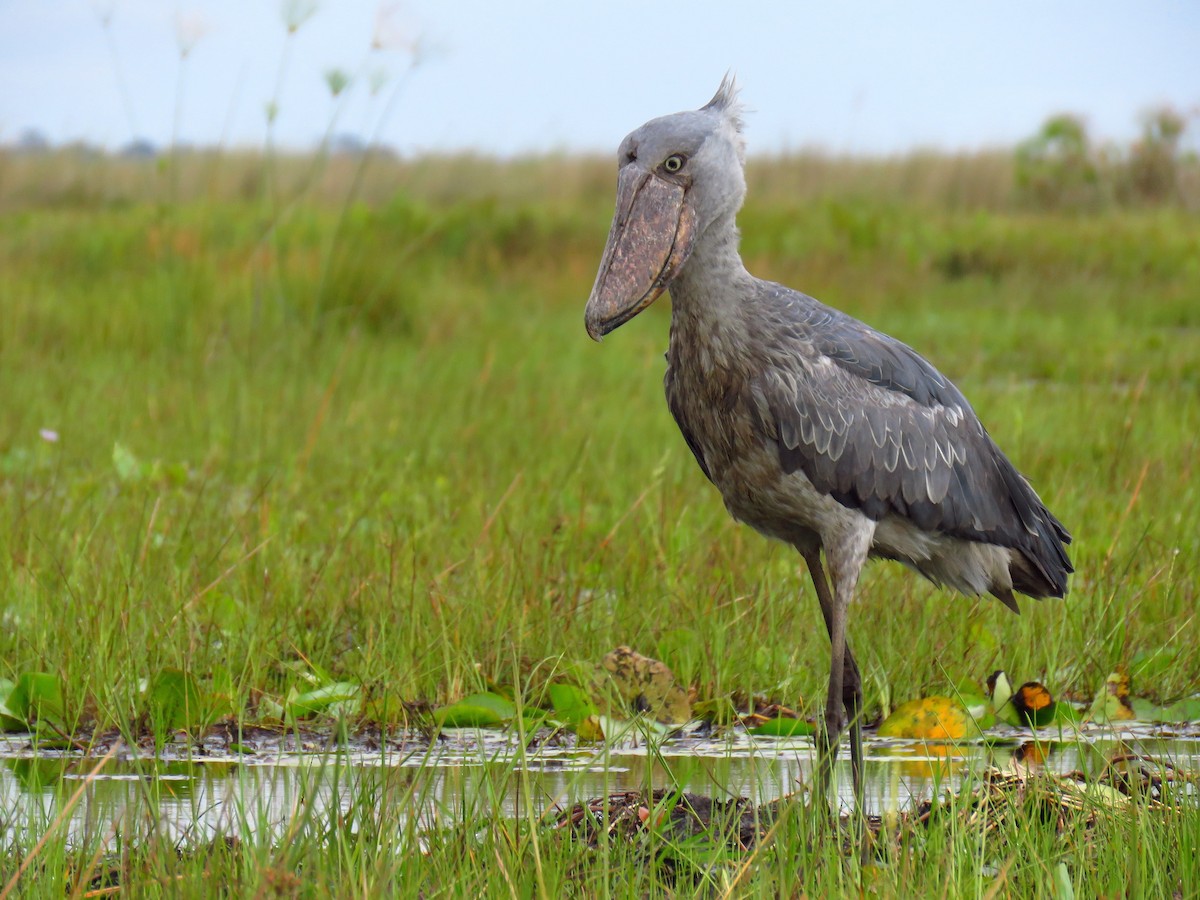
x=725, y=101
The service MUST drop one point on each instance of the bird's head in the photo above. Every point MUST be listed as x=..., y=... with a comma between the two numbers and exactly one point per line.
x=676, y=176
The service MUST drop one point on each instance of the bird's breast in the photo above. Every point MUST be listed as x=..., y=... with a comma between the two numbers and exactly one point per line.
x=707, y=398
x=712, y=402
x=713, y=407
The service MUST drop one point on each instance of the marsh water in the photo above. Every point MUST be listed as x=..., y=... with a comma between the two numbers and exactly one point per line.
x=196, y=792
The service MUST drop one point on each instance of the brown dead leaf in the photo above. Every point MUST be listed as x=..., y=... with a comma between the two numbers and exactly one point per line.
x=646, y=686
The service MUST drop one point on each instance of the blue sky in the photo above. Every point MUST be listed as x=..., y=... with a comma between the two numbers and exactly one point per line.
x=533, y=76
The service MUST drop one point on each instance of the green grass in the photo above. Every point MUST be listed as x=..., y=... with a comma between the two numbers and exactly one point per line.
x=397, y=835
x=387, y=451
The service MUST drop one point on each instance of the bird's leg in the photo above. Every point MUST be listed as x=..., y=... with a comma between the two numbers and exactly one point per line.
x=845, y=554
x=833, y=700
x=851, y=678
x=852, y=699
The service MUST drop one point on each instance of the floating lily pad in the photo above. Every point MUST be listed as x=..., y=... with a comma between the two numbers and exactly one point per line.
x=572, y=705
x=388, y=709
x=930, y=718
x=483, y=710
x=38, y=774
x=1186, y=710
x=340, y=698
x=783, y=726
x=1113, y=703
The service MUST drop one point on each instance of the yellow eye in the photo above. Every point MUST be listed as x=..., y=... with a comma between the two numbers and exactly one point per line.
x=673, y=163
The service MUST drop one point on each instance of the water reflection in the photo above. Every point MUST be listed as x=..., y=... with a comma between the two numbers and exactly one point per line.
x=467, y=776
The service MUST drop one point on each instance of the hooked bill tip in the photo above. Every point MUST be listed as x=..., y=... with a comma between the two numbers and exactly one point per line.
x=596, y=330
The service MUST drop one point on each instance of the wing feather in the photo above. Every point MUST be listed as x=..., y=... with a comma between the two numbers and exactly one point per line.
x=872, y=423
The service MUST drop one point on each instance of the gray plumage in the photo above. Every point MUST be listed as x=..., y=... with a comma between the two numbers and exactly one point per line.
x=867, y=422
x=816, y=429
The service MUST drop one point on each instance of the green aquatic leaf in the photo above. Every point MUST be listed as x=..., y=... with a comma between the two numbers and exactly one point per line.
x=497, y=703
x=1065, y=714
x=1182, y=711
x=54, y=743
x=271, y=709
x=9, y=720
x=572, y=705
x=980, y=709
x=610, y=728
x=387, y=709
x=1106, y=795
x=1147, y=710
x=1061, y=886
x=467, y=715
x=341, y=698
x=37, y=696
x=1112, y=703
x=482, y=710
x=175, y=701
x=1186, y=710
x=784, y=726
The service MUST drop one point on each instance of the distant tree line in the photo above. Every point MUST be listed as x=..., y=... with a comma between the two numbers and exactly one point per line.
x=1060, y=167
x=33, y=142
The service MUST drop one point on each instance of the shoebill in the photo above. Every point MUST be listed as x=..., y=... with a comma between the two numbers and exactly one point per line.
x=817, y=429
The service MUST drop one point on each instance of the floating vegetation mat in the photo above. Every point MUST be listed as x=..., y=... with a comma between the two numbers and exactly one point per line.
x=994, y=802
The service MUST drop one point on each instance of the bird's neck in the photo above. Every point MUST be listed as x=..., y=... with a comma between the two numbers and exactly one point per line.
x=708, y=308
x=713, y=280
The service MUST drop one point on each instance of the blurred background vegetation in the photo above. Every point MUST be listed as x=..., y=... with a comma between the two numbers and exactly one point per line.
x=267, y=411
x=1059, y=168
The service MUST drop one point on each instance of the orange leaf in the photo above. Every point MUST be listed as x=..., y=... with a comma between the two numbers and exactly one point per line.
x=930, y=719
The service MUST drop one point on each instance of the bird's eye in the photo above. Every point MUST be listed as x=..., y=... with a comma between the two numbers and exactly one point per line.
x=673, y=163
